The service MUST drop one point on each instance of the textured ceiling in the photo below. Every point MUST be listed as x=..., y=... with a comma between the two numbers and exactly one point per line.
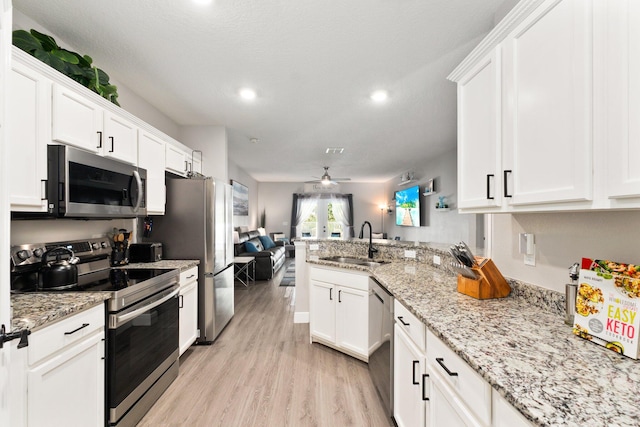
x=313, y=64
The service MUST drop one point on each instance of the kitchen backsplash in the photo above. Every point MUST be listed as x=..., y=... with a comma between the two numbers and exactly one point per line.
x=53, y=230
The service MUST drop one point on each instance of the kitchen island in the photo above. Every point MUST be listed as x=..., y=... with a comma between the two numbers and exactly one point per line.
x=520, y=345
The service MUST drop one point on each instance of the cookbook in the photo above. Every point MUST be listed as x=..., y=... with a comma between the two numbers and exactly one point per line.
x=607, y=303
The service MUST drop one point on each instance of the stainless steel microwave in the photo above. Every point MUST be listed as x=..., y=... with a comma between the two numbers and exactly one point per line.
x=84, y=185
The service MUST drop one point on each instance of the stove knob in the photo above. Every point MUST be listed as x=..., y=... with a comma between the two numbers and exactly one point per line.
x=23, y=255
x=95, y=245
x=103, y=244
x=38, y=253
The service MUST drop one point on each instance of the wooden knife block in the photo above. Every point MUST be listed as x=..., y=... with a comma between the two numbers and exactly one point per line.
x=490, y=284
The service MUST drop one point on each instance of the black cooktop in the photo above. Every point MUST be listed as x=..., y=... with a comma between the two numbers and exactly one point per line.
x=113, y=279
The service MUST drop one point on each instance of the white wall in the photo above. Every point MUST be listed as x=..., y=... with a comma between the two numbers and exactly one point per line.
x=237, y=174
x=562, y=239
x=439, y=227
x=128, y=99
x=212, y=141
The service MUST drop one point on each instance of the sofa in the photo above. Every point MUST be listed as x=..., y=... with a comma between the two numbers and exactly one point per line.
x=268, y=261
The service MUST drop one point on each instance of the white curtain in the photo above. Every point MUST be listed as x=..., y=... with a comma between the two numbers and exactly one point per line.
x=306, y=206
x=341, y=213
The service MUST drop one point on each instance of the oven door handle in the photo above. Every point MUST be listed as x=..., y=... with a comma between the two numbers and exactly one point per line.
x=117, y=320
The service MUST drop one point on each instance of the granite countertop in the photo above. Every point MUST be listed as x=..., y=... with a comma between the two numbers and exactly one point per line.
x=182, y=264
x=36, y=310
x=528, y=354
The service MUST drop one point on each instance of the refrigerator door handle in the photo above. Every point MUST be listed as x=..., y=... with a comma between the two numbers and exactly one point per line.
x=208, y=274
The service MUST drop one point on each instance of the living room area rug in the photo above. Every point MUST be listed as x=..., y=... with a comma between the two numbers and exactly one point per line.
x=289, y=277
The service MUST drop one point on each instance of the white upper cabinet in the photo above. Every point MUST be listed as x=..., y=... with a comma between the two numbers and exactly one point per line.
x=28, y=116
x=177, y=161
x=479, y=136
x=151, y=156
x=548, y=119
x=622, y=99
x=121, y=138
x=567, y=74
x=76, y=120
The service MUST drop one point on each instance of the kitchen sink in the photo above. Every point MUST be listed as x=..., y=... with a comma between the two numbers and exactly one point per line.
x=355, y=261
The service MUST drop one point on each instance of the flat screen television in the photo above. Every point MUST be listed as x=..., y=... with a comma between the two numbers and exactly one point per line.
x=408, y=207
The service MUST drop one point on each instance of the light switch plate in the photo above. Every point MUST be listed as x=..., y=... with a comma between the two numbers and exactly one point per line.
x=314, y=247
x=530, y=259
x=436, y=259
x=409, y=254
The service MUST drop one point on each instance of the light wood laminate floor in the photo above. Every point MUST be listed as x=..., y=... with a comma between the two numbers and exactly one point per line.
x=263, y=371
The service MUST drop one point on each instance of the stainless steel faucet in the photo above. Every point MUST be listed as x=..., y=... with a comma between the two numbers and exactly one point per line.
x=372, y=250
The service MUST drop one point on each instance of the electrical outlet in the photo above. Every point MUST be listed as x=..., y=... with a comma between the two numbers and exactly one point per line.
x=314, y=247
x=436, y=259
x=530, y=259
x=410, y=254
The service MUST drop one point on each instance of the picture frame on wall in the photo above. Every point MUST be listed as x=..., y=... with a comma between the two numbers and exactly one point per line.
x=240, y=199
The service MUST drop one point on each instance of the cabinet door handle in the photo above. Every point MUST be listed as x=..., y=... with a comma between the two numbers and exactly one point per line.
x=181, y=301
x=506, y=190
x=186, y=166
x=440, y=361
x=191, y=277
x=413, y=372
x=111, y=138
x=402, y=321
x=99, y=139
x=424, y=383
x=45, y=189
x=340, y=295
x=489, y=176
x=84, y=325
x=330, y=294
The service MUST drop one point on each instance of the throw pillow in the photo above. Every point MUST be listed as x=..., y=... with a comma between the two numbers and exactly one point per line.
x=250, y=247
x=267, y=242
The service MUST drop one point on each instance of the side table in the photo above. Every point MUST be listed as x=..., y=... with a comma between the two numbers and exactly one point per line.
x=245, y=265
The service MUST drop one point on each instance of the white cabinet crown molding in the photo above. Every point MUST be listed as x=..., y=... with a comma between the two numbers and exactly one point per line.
x=495, y=37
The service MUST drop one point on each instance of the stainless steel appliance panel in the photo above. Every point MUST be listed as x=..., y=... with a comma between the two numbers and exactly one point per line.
x=195, y=226
x=82, y=184
x=224, y=300
x=381, y=332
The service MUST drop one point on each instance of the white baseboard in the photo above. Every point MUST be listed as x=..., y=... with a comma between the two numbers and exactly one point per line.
x=301, y=317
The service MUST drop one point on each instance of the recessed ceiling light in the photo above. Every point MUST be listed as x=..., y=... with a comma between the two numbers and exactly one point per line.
x=248, y=93
x=379, y=96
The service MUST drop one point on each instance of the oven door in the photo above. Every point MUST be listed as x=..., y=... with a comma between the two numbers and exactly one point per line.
x=142, y=344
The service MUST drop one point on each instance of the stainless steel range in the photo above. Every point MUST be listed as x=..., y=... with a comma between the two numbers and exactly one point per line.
x=142, y=319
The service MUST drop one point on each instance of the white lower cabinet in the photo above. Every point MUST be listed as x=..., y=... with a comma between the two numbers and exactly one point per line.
x=454, y=382
x=65, y=377
x=339, y=310
x=505, y=415
x=410, y=381
x=188, y=331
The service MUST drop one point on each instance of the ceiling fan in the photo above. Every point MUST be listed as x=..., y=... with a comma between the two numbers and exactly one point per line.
x=326, y=179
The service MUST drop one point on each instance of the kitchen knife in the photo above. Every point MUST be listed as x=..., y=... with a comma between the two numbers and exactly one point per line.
x=465, y=271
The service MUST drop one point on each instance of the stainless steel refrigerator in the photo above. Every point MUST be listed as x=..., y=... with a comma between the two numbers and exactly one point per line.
x=197, y=224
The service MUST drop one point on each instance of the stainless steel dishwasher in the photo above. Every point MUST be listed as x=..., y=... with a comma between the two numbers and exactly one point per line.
x=381, y=337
